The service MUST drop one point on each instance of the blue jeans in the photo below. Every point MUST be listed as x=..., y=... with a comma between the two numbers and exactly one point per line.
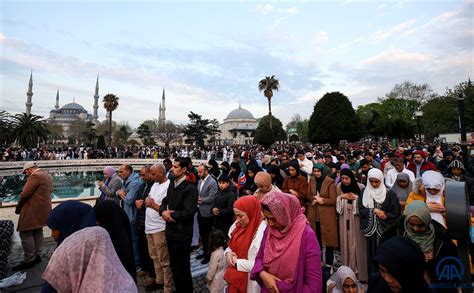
x=136, y=250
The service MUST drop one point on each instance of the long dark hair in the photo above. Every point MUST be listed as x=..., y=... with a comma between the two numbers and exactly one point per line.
x=217, y=239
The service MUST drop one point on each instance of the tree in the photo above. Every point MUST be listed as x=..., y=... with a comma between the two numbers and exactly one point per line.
x=76, y=131
x=121, y=135
x=370, y=119
x=145, y=135
x=169, y=133
x=56, y=132
x=199, y=129
x=467, y=89
x=153, y=126
x=302, y=130
x=411, y=91
x=264, y=134
x=90, y=132
x=29, y=129
x=110, y=104
x=6, y=128
x=268, y=85
x=333, y=119
x=294, y=121
x=101, y=142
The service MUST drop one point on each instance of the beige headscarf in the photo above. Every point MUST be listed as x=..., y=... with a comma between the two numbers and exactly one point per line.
x=264, y=181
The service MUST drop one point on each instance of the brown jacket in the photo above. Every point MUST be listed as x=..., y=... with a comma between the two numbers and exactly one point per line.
x=298, y=184
x=326, y=213
x=35, y=201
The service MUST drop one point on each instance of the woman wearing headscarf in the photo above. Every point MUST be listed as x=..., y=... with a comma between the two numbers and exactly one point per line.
x=289, y=256
x=431, y=237
x=321, y=211
x=431, y=191
x=275, y=173
x=352, y=241
x=378, y=209
x=213, y=168
x=111, y=184
x=245, y=238
x=401, y=267
x=87, y=262
x=345, y=281
x=250, y=187
x=263, y=181
x=295, y=183
x=236, y=175
x=402, y=188
x=112, y=218
x=69, y=217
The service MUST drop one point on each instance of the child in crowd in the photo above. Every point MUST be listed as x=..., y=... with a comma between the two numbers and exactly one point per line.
x=217, y=264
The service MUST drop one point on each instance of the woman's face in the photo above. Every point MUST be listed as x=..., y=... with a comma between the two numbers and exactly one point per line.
x=389, y=279
x=349, y=286
x=346, y=180
x=292, y=171
x=433, y=190
x=272, y=221
x=241, y=218
x=317, y=172
x=402, y=183
x=250, y=173
x=417, y=225
x=375, y=182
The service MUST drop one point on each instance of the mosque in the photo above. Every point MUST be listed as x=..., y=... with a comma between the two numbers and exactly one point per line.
x=238, y=128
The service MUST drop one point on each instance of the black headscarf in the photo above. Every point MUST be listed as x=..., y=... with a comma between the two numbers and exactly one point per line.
x=69, y=217
x=214, y=170
x=235, y=176
x=275, y=170
x=112, y=218
x=405, y=261
x=295, y=165
x=225, y=167
x=354, y=186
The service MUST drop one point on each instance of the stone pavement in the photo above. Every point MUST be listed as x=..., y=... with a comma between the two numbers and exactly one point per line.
x=33, y=280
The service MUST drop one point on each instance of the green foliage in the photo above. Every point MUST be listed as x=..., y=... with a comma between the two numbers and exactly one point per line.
x=467, y=89
x=265, y=136
x=56, y=132
x=199, y=129
x=145, y=135
x=333, y=119
x=302, y=130
x=268, y=85
x=29, y=129
x=90, y=132
x=110, y=104
x=441, y=115
x=6, y=128
x=121, y=135
x=101, y=142
x=169, y=132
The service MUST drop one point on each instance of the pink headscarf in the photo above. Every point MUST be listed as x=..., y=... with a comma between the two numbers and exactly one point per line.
x=282, y=247
x=86, y=262
x=109, y=171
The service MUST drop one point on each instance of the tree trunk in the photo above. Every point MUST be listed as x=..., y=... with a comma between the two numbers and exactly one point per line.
x=110, y=128
x=270, y=113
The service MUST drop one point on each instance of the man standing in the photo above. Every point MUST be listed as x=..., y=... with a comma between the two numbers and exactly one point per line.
x=128, y=194
x=399, y=167
x=207, y=190
x=155, y=230
x=34, y=207
x=177, y=209
x=419, y=164
x=305, y=165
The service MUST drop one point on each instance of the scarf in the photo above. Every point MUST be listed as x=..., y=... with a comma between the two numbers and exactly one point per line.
x=433, y=179
x=420, y=210
x=241, y=239
x=402, y=193
x=69, y=217
x=324, y=172
x=372, y=194
x=264, y=180
x=282, y=247
x=353, y=187
x=341, y=275
x=86, y=262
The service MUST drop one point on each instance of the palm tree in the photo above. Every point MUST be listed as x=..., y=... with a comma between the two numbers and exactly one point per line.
x=268, y=85
x=110, y=104
x=6, y=128
x=29, y=129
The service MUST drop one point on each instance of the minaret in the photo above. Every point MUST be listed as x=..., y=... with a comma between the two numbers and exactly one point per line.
x=162, y=115
x=95, y=116
x=29, y=95
x=57, y=101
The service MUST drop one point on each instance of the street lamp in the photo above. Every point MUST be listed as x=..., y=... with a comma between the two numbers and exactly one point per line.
x=462, y=129
x=418, y=115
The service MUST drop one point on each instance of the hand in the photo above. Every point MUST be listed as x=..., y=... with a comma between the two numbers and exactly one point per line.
x=429, y=256
x=269, y=281
x=348, y=196
x=121, y=193
x=149, y=202
x=100, y=183
x=216, y=212
x=231, y=256
x=293, y=192
x=436, y=207
x=380, y=214
x=139, y=203
x=166, y=215
x=317, y=200
x=199, y=200
x=402, y=204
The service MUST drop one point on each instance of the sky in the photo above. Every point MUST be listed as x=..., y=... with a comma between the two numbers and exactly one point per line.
x=210, y=55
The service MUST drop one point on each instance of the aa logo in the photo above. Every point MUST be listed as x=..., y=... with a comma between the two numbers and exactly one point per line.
x=450, y=269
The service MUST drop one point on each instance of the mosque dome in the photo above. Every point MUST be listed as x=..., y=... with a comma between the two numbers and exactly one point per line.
x=240, y=113
x=73, y=106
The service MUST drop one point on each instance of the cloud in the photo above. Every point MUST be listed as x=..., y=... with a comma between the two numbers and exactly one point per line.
x=393, y=31
x=270, y=9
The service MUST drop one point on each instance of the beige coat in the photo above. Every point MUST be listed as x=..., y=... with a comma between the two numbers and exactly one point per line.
x=35, y=201
x=326, y=213
x=215, y=273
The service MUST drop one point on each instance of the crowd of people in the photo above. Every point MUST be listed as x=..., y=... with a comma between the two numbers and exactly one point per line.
x=267, y=221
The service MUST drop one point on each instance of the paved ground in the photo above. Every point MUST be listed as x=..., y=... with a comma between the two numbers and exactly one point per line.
x=33, y=280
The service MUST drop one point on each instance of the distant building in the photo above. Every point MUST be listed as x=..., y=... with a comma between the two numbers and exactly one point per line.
x=238, y=128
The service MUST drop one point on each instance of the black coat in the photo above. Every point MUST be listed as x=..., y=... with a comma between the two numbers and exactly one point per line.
x=225, y=203
x=182, y=199
x=143, y=193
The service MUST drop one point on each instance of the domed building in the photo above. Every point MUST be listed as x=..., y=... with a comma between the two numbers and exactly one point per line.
x=67, y=114
x=239, y=127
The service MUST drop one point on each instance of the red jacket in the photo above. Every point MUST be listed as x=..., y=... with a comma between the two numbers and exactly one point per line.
x=425, y=166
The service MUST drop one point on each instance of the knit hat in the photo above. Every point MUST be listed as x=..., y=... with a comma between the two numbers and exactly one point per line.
x=456, y=164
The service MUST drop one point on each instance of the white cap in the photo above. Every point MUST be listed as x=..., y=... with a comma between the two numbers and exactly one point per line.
x=28, y=165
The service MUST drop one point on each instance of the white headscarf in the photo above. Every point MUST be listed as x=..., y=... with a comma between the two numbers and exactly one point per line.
x=341, y=275
x=372, y=194
x=433, y=179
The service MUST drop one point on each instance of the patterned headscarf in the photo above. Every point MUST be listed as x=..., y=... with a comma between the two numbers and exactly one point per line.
x=86, y=262
x=341, y=275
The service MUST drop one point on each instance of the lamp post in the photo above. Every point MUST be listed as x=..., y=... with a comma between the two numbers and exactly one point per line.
x=418, y=115
x=462, y=129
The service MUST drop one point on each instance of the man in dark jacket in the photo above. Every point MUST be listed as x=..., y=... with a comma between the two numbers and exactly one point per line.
x=177, y=209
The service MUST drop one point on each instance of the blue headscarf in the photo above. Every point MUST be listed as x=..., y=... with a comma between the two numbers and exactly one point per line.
x=69, y=217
